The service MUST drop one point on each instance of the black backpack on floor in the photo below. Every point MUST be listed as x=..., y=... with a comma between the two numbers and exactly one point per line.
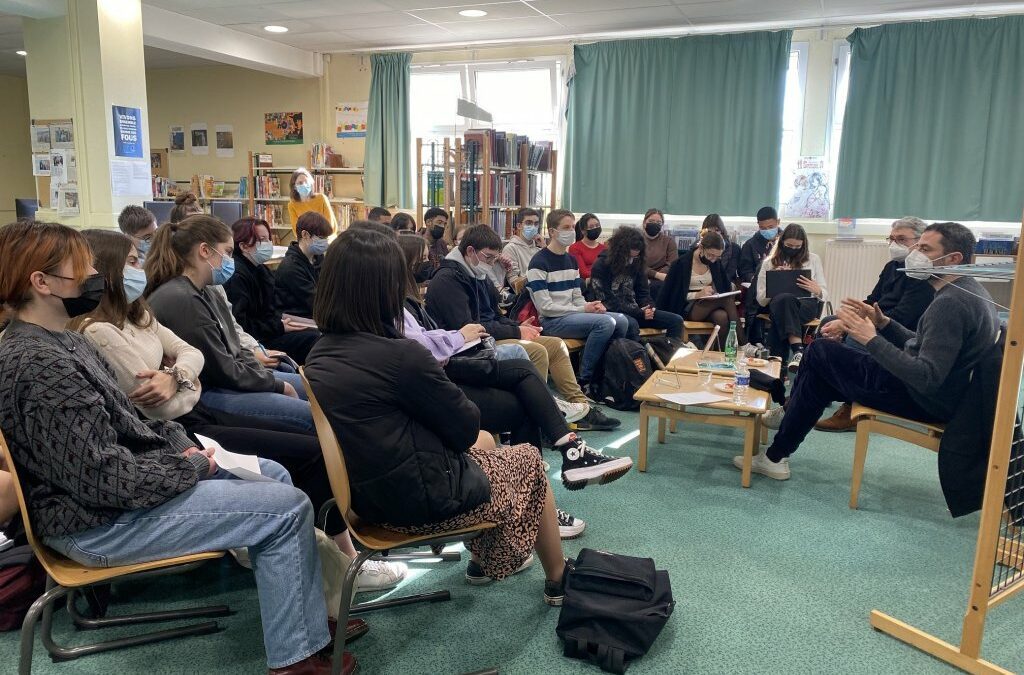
x=614, y=608
x=626, y=367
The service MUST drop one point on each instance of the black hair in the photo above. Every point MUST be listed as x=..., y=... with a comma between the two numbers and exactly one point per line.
x=523, y=212
x=581, y=225
x=620, y=245
x=955, y=239
x=376, y=212
x=434, y=212
x=479, y=237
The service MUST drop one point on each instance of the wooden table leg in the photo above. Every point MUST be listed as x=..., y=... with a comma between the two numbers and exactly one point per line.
x=672, y=426
x=644, y=421
x=764, y=430
x=661, y=429
x=750, y=433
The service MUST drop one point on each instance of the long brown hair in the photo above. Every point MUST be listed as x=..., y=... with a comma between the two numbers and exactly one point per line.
x=28, y=246
x=185, y=205
x=792, y=231
x=625, y=240
x=412, y=246
x=174, y=242
x=301, y=171
x=110, y=251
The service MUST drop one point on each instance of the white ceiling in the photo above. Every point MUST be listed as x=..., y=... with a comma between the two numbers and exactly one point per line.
x=340, y=25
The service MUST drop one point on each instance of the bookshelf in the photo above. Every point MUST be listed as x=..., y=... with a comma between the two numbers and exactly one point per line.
x=489, y=174
x=266, y=191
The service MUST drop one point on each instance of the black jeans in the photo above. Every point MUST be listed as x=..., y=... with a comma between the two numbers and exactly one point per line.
x=672, y=323
x=295, y=344
x=831, y=371
x=515, y=399
x=789, y=314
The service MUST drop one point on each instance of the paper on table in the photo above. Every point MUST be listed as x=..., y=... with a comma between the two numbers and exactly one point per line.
x=246, y=467
x=719, y=295
x=692, y=398
x=469, y=345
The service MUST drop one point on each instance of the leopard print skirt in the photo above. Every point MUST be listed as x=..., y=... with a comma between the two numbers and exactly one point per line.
x=518, y=488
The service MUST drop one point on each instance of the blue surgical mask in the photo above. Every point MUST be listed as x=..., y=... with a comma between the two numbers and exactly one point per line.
x=264, y=251
x=318, y=246
x=143, y=247
x=134, y=283
x=770, y=234
x=223, y=273
x=530, y=232
x=304, y=189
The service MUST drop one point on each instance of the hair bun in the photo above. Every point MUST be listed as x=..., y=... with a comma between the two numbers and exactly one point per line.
x=185, y=198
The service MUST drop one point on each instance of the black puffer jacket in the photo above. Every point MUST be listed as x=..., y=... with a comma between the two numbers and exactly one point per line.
x=251, y=290
x=455, y=298
x=403, y=426
x=296, y=283
x=677, y=284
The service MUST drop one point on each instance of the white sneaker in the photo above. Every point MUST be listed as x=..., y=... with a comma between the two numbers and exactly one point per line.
x=569, y=526
x=794, y=362
x=764, y=466
x=380, y=575
x=773, y=418
x=573, y=411
x=241, y=557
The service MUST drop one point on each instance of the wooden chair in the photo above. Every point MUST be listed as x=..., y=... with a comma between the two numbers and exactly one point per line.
x=66, y=578
x=374, y=538
x=696, y=328
x=871, y=421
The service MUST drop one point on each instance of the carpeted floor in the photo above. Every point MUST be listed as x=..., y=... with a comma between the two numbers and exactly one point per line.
x=779, y=578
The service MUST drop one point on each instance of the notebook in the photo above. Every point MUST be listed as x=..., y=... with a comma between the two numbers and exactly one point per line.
x=778, y=282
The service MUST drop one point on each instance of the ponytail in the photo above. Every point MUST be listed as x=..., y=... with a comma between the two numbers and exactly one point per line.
x=174, y=243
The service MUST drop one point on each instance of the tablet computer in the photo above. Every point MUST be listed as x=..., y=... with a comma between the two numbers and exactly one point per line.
x=777, y=282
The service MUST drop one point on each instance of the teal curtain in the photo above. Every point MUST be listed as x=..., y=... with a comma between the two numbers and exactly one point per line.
x=387, y=164
x=934, y=123
x=690, y=125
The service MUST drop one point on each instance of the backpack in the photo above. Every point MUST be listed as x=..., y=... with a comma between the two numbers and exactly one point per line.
x=626, y=366
x=615, y=606
x=22, y=581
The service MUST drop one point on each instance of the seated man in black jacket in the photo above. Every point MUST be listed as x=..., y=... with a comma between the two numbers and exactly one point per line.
x=756, y=248
x=900, y=298
x=460, y=293
x=297, y=274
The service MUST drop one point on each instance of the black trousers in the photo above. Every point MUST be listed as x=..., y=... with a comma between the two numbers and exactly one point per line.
x=789, y=314
x=831, y=371
x=296, y=344
x=512, y=398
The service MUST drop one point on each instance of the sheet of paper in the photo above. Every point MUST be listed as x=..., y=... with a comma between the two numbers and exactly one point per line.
x=299, y=320
x=131, y=178
x=246, y=467
x=720, y=295
x=693, y=398
x=469, y=345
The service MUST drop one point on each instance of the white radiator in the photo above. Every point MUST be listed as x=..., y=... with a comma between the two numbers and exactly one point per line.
x=852, y=267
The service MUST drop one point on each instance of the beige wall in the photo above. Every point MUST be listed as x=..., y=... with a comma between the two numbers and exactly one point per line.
x=16, y=150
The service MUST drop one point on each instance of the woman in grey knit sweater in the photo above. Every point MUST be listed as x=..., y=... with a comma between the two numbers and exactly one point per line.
x=105, y=487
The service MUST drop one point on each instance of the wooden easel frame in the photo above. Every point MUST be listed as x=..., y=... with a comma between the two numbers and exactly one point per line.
x=990, y=547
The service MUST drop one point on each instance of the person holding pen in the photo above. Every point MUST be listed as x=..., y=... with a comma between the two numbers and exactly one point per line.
x=619, y=281
x=695, y=285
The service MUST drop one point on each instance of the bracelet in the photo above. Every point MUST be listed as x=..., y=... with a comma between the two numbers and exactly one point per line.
x=180, y=378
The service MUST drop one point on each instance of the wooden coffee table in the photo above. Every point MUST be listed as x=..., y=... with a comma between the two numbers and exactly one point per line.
x=746, y=416
x=686, y=360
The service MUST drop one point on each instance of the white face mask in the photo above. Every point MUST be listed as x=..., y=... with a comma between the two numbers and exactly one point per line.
x=917, y=259
x=898, y=251
x=566, y=237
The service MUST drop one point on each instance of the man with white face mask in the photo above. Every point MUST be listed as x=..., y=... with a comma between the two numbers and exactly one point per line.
x=900, y=297
x=917, y=375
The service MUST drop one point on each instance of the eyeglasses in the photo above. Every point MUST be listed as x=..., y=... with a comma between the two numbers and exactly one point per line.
x=903, y=241
x=488, y=258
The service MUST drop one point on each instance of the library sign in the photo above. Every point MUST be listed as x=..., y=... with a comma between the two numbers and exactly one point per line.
x=127, y=131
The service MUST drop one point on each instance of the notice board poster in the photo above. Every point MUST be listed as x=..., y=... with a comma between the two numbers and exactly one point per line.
x=127, y=131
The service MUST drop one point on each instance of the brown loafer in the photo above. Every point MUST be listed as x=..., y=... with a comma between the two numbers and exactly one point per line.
x=840, y=420
x=318, y=664
x=355, y=629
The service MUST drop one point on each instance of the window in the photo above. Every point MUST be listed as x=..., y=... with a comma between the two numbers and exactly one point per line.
x=840, y=88
x=792, y=119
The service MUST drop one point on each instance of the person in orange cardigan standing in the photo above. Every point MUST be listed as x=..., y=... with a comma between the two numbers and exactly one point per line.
x=303, y=199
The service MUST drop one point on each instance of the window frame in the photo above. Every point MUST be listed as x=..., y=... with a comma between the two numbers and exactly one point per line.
x=803, y=50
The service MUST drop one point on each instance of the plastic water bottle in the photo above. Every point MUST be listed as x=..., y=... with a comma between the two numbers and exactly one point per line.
x=741, y=382
x=731, y=342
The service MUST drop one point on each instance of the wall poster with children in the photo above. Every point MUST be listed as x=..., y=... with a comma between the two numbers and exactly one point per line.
x=283, y=128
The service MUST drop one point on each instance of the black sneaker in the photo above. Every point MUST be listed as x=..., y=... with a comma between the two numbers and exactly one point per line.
x=554, y=591
x=475, y=574
x=794, y=361
x=582, y=466
x=595, y=420
x=569, y=526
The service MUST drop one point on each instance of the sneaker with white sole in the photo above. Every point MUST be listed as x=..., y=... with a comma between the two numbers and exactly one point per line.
x=572, y=411
x=773, y=418
x=569, y=526
x=595, y=420
x=380, y=575
x=475, y=574
x=764, y=466
x=794, y=361
x=582, y=466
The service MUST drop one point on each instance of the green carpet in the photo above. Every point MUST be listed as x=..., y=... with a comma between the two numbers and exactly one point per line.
x=777, y=578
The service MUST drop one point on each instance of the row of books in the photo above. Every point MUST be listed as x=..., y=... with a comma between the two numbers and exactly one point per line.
x=266, y=187
x=505, y=190
x=272, y=213
x=506, y=150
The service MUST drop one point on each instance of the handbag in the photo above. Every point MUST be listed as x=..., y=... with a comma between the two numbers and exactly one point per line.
x=478, y=365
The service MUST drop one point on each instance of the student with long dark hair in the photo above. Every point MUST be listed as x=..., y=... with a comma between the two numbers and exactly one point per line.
x=730, y=252
x=697, y=275
x=587, y=247
x=104, y=487
x=620, y=282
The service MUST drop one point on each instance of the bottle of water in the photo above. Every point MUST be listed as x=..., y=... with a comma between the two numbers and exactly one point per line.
x=740, y=382
x=731, y=343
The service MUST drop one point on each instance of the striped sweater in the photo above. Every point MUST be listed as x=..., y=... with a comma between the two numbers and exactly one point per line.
x=554, y=283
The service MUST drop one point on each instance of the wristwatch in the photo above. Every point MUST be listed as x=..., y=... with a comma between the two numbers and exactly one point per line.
x=180, y=377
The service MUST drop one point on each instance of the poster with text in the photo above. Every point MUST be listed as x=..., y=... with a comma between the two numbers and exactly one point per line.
x=41, y=164
x=177, y=140
x=200, y=139
x=40, y=138
x=127, y=131
x=283, y=128
x=350, y=119
x=62, y=135
x=810, y=191
x=225, y=140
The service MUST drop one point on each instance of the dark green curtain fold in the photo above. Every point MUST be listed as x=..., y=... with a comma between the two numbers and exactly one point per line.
x=387, y=164
x=934, y=122
x=691, y=125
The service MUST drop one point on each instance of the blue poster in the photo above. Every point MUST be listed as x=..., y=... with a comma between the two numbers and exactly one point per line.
x=127, y=131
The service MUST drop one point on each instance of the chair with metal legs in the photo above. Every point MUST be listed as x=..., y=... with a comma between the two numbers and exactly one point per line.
x=373, y=538
x=66, y=579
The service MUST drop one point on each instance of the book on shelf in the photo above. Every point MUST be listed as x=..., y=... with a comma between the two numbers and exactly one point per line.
x=263, y=160
x=266, y=187
x=539, y=156
x=272, y=213
x=323, y=184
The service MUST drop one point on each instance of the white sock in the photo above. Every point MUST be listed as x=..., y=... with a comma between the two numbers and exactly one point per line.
x=564, y=439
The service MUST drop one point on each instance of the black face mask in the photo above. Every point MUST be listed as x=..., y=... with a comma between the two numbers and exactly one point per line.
x=593, y=233
x=423, y=272
x=437, y=231
x=92, y=292
x=652, y=229
x=792, y=252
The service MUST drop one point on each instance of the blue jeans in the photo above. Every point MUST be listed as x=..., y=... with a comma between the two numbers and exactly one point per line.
x=510, y=351
x=597, y=329
x=270, y=517
x=672, y=323
x=292, y=413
